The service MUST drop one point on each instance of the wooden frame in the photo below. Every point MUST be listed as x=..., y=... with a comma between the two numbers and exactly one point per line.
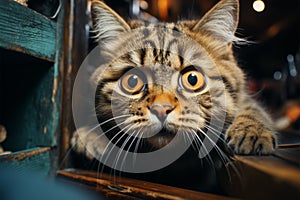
x=55, y=44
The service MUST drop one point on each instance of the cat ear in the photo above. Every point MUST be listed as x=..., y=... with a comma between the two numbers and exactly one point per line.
x=221, y=21
x=107, y=23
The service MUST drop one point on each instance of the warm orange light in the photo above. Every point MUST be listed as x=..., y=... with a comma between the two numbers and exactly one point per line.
x=163, y=9
x=293, y=113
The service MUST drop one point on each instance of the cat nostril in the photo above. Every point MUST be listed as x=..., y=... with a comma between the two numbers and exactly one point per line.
x=161, y=111
x=168, y=110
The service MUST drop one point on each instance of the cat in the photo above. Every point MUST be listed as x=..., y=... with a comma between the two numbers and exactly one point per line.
x=172, y=78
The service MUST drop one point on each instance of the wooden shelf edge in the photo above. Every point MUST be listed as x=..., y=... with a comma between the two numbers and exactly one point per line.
x=20, y=155
x=35, y=160
x=274, y=167
x=120, y=186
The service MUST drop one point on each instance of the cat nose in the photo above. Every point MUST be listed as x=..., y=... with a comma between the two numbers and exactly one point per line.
x=161, y=111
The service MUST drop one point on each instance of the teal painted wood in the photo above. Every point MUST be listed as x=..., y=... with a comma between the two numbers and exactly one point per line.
x=24, y=30
x=33, y=107
x=36, y=160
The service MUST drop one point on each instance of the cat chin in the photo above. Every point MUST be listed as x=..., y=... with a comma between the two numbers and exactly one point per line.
x=161, y=139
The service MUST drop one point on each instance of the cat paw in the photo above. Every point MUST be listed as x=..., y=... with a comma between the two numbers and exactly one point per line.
x=88, y=143
x=250, y=139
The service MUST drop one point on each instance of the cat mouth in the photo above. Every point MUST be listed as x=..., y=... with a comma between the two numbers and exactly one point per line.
x=162, y=138
x=164, y=132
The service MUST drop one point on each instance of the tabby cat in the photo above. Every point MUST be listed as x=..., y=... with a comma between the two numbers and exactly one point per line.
x=165, y=79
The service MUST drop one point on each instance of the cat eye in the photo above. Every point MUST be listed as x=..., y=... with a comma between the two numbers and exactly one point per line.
x=132, y=82
x=192, y=79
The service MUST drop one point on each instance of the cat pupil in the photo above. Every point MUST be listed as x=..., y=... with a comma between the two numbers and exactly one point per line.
x=132, y=81
x=192, y=79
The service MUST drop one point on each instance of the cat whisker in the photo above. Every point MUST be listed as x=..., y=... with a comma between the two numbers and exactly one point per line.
x=185, y=137
x=120, y=152
x=72, y=147
x=102, y=123
x=195, y=143
x=89, y=132
x=216, y=132
x=102, y=134
x=107, y=155
x=229, y=161
x=191, y=141
x=220, y=152
x=116, y=117
x=126, y=129
x=137, y=144
x=204, y=147
x=198, y=142
x=121, y=148
x=224, y=158
x=216, y=118
x=65, y=157
x=135, y=137
x=118, y=125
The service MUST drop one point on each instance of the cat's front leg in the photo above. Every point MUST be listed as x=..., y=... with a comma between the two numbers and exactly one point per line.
x=251, y=132
x=89, y=143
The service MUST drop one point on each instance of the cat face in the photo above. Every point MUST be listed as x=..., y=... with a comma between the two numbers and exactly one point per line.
x=166, y=79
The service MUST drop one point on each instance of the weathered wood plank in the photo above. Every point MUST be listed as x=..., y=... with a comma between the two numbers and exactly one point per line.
x=119, y=187
x=74, y=48
x=289, y=139
x=274, y=167
x=21, y=155
x=37, y=160
x=265, y=177
x=291, y=154
x=24, y=30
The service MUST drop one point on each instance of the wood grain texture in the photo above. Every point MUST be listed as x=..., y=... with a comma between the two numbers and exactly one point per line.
x=73, y=45
x=265, y=177
x=124, y=188
x=26, y=31
x=273, y=166
x=291, y=154
x=35, y=160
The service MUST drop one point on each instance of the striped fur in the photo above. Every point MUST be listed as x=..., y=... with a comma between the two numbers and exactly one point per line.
x=162, y=52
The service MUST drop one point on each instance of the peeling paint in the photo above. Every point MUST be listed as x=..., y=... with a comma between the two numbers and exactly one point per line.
x=45, y=130
x=54, y=89
x=24, y=154
x=35, y=34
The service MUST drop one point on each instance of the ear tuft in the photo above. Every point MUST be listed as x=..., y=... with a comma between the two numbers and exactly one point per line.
x=221, y=21
x=107, y=23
